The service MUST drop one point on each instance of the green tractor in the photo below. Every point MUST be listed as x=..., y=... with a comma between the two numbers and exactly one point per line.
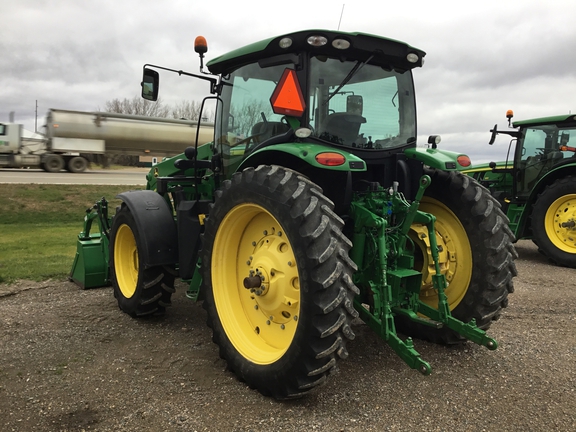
x=312, y=206
x=537, y=189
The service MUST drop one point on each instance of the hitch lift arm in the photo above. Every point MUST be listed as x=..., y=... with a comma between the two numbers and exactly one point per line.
x=394, y=289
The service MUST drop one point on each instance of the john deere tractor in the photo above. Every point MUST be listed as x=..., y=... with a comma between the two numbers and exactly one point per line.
x=537, y=188
x=312, y=206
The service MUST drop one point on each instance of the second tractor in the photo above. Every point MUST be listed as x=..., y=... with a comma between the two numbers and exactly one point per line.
x=537, y=188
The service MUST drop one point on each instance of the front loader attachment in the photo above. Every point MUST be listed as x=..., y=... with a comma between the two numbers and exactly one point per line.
x=90, y=266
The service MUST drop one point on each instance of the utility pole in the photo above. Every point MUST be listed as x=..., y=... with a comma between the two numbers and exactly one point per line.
x=36, y=118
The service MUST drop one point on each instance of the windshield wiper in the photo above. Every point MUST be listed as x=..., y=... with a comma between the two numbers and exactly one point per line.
x=348, y=77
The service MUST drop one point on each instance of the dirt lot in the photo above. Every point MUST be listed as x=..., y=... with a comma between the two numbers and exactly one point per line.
x=70, y=361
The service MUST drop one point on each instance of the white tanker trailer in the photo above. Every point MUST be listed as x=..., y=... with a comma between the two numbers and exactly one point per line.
x=72, y=133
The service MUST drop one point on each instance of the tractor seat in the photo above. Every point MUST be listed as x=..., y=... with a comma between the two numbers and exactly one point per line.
x=263, y=130
x=342, y=127
x=555, y=156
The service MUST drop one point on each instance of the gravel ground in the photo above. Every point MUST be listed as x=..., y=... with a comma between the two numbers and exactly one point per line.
x=71, y=361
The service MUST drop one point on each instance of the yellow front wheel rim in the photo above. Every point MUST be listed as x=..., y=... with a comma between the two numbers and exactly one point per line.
x=126, y=261
x=559, y=223
x=455, y=254
x=260, y=321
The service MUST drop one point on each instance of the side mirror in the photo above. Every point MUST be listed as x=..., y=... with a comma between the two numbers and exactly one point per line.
x=494, y=133
x=150, y=84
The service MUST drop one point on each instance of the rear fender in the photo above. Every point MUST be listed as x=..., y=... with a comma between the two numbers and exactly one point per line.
x=304, y=152
x=335, y=181
x=156, y=227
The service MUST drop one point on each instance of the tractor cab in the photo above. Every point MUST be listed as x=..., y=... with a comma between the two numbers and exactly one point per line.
x=337, y=107
x=543, y=145
x=537, y=189
x=340, y=90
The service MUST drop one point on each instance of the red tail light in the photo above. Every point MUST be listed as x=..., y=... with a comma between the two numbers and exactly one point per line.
x=330, y=159
x=464, y=160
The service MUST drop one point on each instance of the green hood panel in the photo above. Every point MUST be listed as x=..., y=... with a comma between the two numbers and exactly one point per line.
x=441, y=159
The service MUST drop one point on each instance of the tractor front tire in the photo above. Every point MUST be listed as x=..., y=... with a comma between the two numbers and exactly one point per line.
x=140, y=291
x=553, y=218
x=476, y=254
x=277, y=281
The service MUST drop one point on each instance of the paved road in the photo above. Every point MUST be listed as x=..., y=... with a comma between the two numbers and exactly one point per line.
x=130, y=176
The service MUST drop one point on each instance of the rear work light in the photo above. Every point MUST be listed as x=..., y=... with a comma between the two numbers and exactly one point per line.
x=317, y=40
x=285, y=43
x=412, y=57
x=330, y=159
x=341, y=44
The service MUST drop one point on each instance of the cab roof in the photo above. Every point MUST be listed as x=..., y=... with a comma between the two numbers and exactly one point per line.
x=388, y=53
x=565, y=118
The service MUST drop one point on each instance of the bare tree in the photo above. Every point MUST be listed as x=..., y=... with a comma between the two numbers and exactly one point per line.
x=252, y=112
x=137, y=106
x=189, y=110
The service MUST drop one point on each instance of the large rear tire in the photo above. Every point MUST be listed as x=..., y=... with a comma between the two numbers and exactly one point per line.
x=476, y=254
x=553, y=222
x=276, y=231
x=139, y=290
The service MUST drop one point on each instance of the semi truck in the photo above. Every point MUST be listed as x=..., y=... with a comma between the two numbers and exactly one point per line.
x=70, y=135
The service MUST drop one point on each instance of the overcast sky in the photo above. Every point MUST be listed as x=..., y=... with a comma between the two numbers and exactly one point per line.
x=483, y=58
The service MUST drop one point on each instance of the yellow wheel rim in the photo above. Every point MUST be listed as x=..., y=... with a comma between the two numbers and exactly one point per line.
x=260, y=322
x=126, y=261
x=455, y=254
x=562, y=212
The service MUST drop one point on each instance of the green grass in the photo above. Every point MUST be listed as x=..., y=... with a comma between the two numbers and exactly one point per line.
x=39, y=226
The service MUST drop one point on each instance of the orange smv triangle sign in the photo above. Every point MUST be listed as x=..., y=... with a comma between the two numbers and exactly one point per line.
x=287, y=98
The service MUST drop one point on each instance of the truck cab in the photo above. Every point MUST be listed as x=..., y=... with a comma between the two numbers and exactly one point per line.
x=10, y=134
x=17, y=149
